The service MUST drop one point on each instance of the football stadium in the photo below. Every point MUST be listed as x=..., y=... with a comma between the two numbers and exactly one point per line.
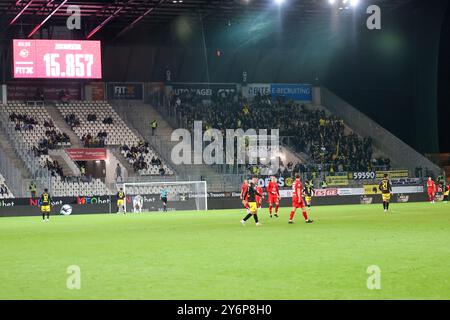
x=224, y=150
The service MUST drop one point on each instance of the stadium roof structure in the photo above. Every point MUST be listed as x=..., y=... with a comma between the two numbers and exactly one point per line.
x=123, y=15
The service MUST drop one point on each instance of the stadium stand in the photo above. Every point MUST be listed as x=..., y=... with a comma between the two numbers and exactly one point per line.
x=329, y=143
x=62, y=188
x=34, y=129
x=102, y=126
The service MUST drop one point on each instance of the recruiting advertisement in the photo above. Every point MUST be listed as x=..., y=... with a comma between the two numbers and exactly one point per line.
x=57, y=59
x=125, y=91
x=296, y=92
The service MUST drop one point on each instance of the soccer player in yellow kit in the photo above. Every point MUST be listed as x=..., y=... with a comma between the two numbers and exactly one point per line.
x=45, y=205
x=385, y=187
x=251, y=193
x=121, y=201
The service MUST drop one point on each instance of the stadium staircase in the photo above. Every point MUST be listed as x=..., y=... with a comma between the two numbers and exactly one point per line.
x=12, y=156
x=61, y=123
x=139, y=116
x=128, y=166
x=399, y=152
x=15, y=173
x=68, y=166
x=21, y=144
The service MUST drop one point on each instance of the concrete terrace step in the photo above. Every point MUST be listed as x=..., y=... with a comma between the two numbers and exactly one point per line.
x=61, y=123
x=123, y=162
x=62, y=162
x=12, y=155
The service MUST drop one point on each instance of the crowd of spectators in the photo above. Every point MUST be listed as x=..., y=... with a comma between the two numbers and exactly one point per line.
x=23, y=122
x=98, y=141
x=92, y=117
x=108, y=120
x=324, y=138
x=54, y=137
x=137, y=155
x=51, y=139
x=72, y=120
x=54, y=168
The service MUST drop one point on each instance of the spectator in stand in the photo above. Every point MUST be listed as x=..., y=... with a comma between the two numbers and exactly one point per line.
x=108, y=120
x=137, y=156
x=54, y=168
x=49, y=123
x=33, y=189
x=154, y=126
x=64, y=96
x=72, y=120
x=118, y=173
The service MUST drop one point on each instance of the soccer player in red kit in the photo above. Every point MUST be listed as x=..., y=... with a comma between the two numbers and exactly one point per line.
x=297, y=200
x=431, y=189
x=243, y=196
x=273, y=195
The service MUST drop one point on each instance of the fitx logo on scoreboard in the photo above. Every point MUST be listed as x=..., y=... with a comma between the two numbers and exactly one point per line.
x=57, y=59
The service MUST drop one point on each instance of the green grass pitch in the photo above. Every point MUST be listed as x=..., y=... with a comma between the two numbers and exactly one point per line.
x=209, y=255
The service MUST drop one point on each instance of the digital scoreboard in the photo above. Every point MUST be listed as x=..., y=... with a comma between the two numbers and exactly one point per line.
x=57, y=59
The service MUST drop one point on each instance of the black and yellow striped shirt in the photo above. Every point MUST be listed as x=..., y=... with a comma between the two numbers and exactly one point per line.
x=385, y=186
x=45, y=199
